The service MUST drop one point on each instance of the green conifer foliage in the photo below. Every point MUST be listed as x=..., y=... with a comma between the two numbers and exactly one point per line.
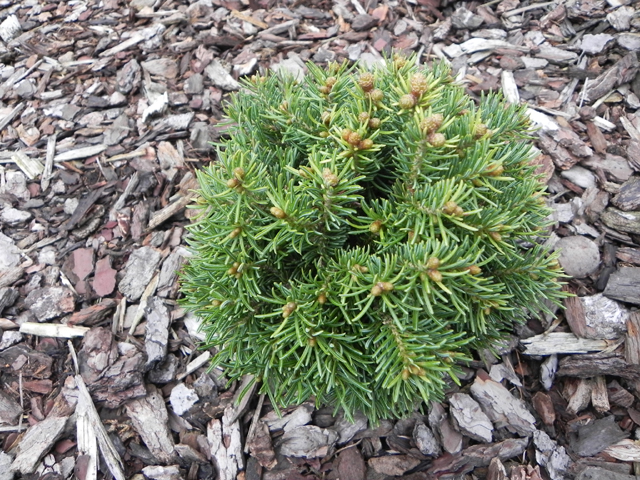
x=363, y=232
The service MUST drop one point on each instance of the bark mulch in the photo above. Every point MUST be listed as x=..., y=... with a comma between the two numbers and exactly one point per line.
x=108, y=107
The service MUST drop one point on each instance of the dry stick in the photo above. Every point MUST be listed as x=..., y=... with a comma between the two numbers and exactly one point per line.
x=48, y=163
x=526, y=9
x=254, y=423
x=151, y=288
x=358, y=7
x=109, y=452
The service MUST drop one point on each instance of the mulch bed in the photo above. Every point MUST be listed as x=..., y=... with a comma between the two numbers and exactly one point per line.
x=107, y=109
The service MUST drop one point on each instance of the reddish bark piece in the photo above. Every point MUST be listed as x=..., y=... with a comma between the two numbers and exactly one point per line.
x=393, y=464
x=93, y=314
x=82, y=262
x=38, y=386
x=544, y=407
x=104, y=280
x=351, y=466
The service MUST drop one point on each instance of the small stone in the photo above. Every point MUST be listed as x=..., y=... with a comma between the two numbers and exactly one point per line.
x=463, y=18
x=620, y=18
x=220, y=77
x=8, y=296
x=70, y=205
x=594, y=44
x=606, y=317
x=10, y=409
x=138, y=272
x=552, y=456
x=5, y=463
x=50, y=302
x=162, y=67
x=13, y=216
x=182, y=398
x=364, y=22
x=579, y=256
x=630, y=41
x=194, y=84
x=10, y=28
x=471, y=420
x=580, y=176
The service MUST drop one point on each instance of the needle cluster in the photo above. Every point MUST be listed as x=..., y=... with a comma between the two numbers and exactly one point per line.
x=362, y=232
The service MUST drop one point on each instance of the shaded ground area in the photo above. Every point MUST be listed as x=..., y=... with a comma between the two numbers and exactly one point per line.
x=107, y=109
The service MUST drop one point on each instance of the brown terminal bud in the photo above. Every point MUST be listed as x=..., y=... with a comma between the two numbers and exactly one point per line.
x=375, y=226
x=449, y=208
x=345, y=134
x=433, y=263
x=406, y=373
x=322, y=298
x=354, y=138
x=437, y=140
x=288, y=309
x=458, y=212
x=330, y=178
x=239, y=173
x=374, y=123
x=312, y=342
x=495, y=170
x=366, y=80
x=365, y=144
x=323, y=134
x=419, y=84
x=416, y=370
x=496, y=236
x=216, y=303
x=435, y=275
x=387, y=286
x=376, y=290
x=407, y=102
x=363, y=117
x=235, y=232
x=474, y=270
x=278, y=212
x=330, y=81
x=325, y=117
x=479, y=130
x=233, y=183
x=325, y=90
x=376, y=95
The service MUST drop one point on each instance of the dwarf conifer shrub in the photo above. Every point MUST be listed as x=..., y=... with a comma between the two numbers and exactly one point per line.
x=362, y=232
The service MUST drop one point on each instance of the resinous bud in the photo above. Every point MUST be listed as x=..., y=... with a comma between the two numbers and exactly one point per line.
x=407, y=102
x=435, y=275
x=330, y=178
x=449, y=208
x=238, y=172
x=375, y=227
x=278, y=212
x=433, y=263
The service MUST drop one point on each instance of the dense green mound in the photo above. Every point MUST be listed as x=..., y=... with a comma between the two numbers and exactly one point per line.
x=363, y=232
